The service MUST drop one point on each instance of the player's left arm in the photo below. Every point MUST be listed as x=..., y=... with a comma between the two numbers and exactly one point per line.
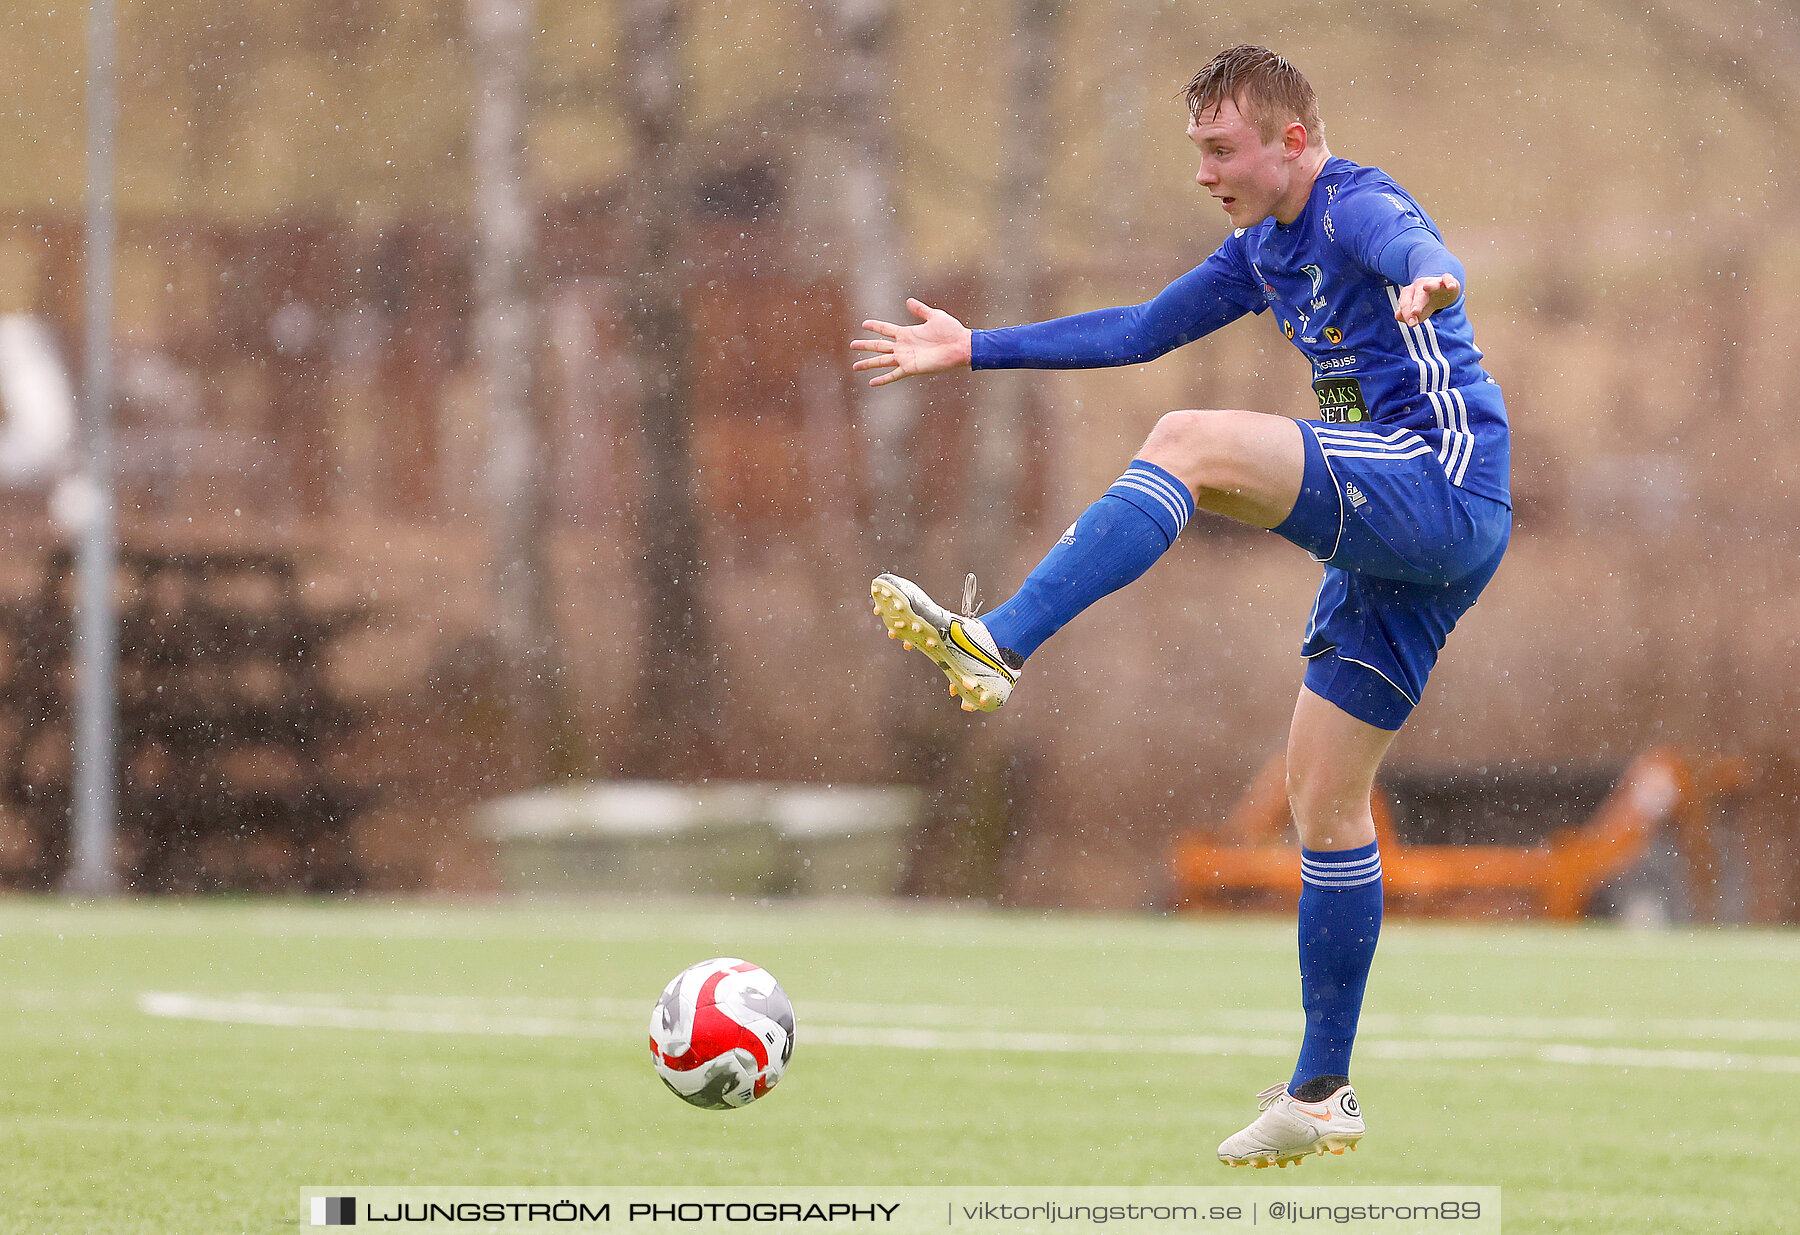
x=1388, y=237
x=1428, y=275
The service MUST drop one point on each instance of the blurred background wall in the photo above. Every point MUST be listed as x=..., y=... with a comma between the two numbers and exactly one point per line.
x=722, y=192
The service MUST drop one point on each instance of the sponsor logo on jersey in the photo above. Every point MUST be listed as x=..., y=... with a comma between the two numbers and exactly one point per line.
x=1268, y=288
x=1315, y=274
x=1330, y=232
x=1335, y=362
x=1355, y=495
x=1340, y=400
x=1287, y=328
x=1334, y=336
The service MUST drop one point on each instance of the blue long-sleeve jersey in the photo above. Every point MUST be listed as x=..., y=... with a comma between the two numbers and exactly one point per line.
x=1331, y=278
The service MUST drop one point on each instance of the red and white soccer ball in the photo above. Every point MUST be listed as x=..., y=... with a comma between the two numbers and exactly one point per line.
x=722, y=1033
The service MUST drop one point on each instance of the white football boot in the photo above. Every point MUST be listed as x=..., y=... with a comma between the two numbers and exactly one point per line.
x=958, y=644
x=1288, y=1129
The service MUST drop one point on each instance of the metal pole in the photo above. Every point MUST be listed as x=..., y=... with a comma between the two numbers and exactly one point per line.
x=506, y=327
x=508, y=331
x=92, y=871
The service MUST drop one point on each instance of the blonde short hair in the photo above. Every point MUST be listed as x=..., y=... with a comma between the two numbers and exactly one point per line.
x=1270, y=92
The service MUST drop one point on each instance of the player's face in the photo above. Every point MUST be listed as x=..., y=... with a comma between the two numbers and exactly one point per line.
x=1251, y=178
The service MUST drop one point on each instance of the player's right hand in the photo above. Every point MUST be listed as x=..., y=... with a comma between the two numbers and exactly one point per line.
x=937, y=344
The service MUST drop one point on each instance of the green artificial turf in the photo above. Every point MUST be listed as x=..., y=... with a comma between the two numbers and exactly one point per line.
x=1606, y=1080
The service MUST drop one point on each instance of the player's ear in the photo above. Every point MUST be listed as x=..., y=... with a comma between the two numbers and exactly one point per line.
x=1293, y=140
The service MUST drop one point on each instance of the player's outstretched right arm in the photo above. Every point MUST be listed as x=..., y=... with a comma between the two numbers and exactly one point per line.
x=1207, y=297
x=1211, y=295
x=937, y=344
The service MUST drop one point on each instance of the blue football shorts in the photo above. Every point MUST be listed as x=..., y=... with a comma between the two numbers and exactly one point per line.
x=1405, y=554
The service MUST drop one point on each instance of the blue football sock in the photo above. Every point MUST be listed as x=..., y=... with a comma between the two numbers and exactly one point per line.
x=1117, y=539
x=1340, y=920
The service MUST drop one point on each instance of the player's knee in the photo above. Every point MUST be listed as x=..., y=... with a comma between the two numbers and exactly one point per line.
x=1327, y=814
x=1175, y=437
x=1303, y=799
x=1200, y=447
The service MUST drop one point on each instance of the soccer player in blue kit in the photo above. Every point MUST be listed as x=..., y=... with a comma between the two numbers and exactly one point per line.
x=1399, y=487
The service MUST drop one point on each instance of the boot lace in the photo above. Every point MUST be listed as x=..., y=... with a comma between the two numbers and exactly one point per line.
x=971, y=596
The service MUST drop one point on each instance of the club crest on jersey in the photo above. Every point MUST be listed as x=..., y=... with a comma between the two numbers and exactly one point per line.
x=1316, y=275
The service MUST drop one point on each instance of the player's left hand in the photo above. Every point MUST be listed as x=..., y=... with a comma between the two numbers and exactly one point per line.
x=1424, y=296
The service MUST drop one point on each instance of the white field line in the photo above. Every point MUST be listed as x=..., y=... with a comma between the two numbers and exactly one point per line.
x=318, y=1013
x=1139, y=1020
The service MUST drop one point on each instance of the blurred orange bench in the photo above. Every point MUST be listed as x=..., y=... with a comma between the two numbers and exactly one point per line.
x=1558, y=877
